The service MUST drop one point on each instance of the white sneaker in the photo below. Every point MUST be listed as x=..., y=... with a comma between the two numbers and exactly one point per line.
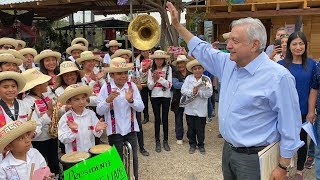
x=180, y=142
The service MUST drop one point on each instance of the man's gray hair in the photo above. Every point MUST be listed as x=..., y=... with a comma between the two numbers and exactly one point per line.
x=255, y=30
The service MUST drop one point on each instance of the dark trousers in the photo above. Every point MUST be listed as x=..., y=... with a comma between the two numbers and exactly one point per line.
x=303, y=151
x=118, y=141
x=179, y=123
x=239, y=166
x=164, y=104
x=49, y=150
x=196, y=128
x=145, y=94
x=140, y=134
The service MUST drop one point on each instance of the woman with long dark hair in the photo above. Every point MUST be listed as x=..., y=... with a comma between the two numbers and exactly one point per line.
x=160, y=82
x=302, y=68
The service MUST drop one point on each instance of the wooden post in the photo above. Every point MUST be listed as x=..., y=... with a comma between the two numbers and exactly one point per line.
x=298, y=24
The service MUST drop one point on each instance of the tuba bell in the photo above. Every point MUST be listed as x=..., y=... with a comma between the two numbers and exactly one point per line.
x=144, y=32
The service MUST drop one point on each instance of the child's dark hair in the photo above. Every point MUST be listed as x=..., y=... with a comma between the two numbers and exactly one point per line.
x=154, y=66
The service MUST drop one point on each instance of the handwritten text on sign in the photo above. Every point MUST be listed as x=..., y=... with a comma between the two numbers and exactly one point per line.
x=106, y=166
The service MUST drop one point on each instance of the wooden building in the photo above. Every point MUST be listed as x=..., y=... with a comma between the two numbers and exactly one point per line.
x=273, y=14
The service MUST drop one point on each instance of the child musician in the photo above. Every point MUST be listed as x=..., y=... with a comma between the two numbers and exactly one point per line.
x=118, y=101
x=15, y=137
x=197, y=86
x=79, y=126
x=35, y=88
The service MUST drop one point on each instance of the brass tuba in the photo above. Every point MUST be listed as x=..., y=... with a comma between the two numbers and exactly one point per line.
x=144, y=32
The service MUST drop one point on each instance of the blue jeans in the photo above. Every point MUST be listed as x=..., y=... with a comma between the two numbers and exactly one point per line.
x=210, y=108
x=317, y=148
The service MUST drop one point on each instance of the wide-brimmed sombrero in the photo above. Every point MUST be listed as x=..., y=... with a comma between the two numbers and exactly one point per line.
x=193, y=63
x=80, y=39
x=15, y=53
x=47, y=53
x=160, y=55
x=76, y=47
x=65, y=67
x=88, y=55
x=9, y=58
x=74, y=90
x=21, y=82
x=113, y=43
x=121, y=52
x=118, y=64
x=9, y=41
x=31, y=51
x=13, y=130
x=180, y=58
x=22, y=43
x=33, y=78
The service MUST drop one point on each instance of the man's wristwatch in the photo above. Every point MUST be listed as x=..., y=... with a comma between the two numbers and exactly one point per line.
x=286, y=168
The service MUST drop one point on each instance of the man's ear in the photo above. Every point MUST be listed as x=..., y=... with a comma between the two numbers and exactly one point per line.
x=255, y=46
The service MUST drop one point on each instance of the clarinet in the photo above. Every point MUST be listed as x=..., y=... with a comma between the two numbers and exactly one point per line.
x=32, y=110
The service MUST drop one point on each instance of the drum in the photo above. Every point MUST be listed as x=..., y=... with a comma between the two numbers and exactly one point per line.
x=98, y=149
x=70, y=159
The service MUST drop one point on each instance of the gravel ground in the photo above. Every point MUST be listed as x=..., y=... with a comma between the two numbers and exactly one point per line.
x=178, y=163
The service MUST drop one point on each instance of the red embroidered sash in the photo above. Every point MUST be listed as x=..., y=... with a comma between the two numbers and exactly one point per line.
x=2, y=118
x=113, y=119
x=74, y=142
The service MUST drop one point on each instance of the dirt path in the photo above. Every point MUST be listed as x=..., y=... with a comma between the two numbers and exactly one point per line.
x=178, y=163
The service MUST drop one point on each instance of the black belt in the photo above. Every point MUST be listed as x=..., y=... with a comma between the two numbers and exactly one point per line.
x=247, y=150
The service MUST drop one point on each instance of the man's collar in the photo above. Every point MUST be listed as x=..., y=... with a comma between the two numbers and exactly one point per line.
x=255, y=64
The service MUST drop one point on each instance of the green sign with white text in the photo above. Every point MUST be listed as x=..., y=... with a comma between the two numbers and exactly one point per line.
x=106, y=166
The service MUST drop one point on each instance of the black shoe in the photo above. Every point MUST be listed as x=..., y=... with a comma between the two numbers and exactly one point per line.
x=219, y=135
x=144, y=152
x=166, y=146
x=158, y=147
x=202, y=150
x=146, y=119
x=192, y=150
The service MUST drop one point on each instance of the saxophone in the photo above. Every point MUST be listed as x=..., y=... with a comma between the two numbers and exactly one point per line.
x=53, y=127
x=187, y=99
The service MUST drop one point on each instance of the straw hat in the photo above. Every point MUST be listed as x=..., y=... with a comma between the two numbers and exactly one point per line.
x=180, y=58
x=47, y=53
x=113, y=43
x=33, y=78
x=9, y=58
x=118, y=64
x=76, y=47
x=192, y=63
x=121, y=52
x=15, y=53
x=160, y=54
x=22, y=43
x=67, y=66
x=14, y=76
x=74, y=90
x=226, y=36
x=13, y=130
x=31, y=51
x=80, y=39
x=87, y=55
x=9, y=41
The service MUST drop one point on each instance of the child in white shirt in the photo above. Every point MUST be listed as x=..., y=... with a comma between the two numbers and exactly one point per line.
x=118, y=101
x=79, y=126
x=197, y=87
x=15, y=137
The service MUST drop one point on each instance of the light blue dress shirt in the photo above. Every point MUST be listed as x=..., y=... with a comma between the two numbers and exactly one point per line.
x=258, y=103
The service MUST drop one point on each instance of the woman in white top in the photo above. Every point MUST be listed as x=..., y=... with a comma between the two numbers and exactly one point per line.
x=160, y=82
x=91, y=77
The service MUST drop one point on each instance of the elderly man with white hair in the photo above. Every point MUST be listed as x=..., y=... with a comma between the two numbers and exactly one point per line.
x=258, y=103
